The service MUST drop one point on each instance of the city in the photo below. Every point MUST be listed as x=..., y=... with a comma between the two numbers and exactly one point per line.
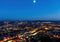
x=29, y=31
x=29, y=20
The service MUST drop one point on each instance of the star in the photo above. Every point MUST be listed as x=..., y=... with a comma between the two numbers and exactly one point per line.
x=34, y=1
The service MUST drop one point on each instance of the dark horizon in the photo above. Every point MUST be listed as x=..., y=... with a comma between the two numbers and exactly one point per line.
x=30, y=20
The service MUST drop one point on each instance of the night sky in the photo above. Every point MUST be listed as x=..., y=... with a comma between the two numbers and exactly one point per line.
x=27, y=10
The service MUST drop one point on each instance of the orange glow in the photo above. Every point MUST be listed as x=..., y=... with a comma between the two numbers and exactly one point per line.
x=46, y=29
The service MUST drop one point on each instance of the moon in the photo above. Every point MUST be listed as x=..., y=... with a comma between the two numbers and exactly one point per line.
x=34, y=1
